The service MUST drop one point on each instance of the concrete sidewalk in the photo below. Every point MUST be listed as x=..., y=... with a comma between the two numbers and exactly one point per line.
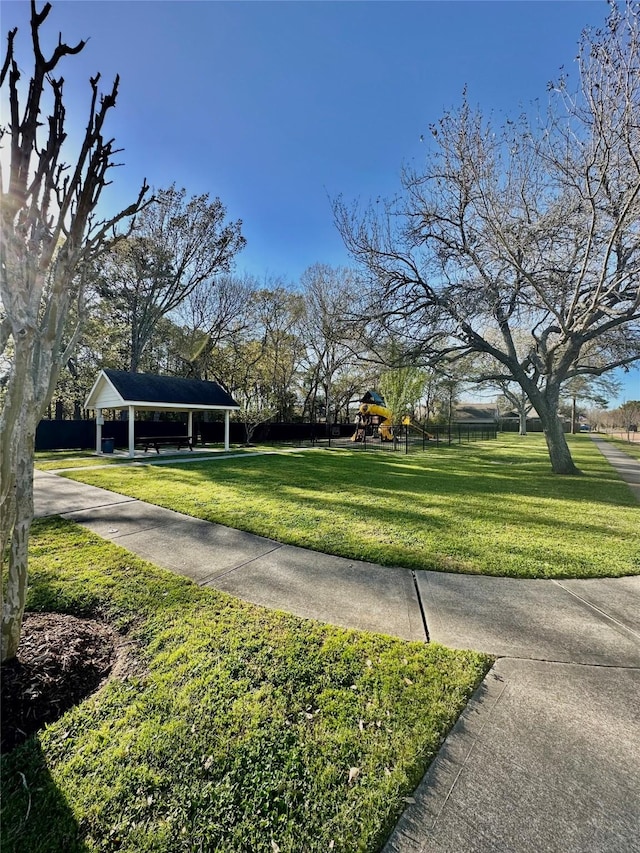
x=626, y=466
x=545, y=758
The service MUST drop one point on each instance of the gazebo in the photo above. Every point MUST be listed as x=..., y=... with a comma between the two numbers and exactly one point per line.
x=118, y=389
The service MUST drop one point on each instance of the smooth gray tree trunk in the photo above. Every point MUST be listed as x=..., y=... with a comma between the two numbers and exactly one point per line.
x=18, y=423
x=559, y=453
x=546, y=403
x=523, y=422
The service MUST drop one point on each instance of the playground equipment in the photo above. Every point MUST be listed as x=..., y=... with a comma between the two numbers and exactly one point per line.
x=407, y=422
x=373, y=418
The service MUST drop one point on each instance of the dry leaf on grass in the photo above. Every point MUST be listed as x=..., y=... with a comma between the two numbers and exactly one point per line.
x=354, y=772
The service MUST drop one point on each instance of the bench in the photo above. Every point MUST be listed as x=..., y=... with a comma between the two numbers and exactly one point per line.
x=158, y=441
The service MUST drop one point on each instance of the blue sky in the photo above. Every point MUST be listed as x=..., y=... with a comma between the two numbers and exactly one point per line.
x=278, y=106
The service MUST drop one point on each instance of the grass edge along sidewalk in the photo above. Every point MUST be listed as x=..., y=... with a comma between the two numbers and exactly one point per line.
x=631, y=448
x=249, y=729
x=493, y=508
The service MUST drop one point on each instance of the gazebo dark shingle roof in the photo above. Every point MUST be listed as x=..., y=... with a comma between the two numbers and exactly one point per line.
x=150, y=388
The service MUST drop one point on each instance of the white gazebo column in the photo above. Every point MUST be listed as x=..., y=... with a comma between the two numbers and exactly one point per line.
x=226, y=429
x=99, y=422
x=190, y=425
x=132, y=428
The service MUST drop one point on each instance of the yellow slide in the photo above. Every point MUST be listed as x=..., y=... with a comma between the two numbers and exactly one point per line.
x=406, y=421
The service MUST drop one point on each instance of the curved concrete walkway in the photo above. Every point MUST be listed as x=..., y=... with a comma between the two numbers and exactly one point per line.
x=546, y=756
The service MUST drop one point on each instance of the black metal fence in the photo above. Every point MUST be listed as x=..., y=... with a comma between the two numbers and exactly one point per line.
x=212, y=432
x=81, y=435
x=412, y=439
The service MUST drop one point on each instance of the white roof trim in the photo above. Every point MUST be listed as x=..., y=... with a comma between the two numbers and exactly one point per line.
x=101, y=375
x=145, y=404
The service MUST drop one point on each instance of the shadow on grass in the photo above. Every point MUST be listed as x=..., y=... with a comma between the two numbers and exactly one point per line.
x=36, y=818
x=404, y=502
x=457, y=474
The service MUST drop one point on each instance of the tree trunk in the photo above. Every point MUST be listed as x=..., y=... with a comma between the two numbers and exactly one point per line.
x=523, y=422
x=50, y=241
x=15, y=594
x=559, y=453
x=546, y=404
x=28, y=392
x=327, y=408
x=17, y=515
x=134, y=362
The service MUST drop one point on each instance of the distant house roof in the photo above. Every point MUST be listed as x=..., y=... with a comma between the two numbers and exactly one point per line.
x=118, y=388
x=476, y=413
x=532, y=415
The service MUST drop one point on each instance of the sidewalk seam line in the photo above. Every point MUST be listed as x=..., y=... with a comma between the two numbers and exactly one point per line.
x=598, y=610
x=239, y=566
x=632, y=666
x=421, y=606
x=99, y=506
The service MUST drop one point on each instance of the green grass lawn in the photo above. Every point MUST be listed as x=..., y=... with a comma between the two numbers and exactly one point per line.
x=54, y=460
x=487, y=508
x=250, y=730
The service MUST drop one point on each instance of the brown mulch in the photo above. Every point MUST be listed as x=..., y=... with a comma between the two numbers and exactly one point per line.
x=61, y=660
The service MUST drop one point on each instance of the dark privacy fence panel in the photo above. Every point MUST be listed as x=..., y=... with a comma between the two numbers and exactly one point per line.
x=81, y=435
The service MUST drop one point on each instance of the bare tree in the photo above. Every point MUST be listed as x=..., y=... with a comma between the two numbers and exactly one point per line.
x=277, y=311
x=50, y=238
x=628, y=416
x=210, y=317
x=597, y=390
x=240, y=367
x=259, y=362
x=532, y=227
x=512, y=396
x=624, y=419
x=177, y=246
x=327, y=339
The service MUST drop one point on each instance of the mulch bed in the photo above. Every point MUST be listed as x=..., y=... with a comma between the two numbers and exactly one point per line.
x=61, y=660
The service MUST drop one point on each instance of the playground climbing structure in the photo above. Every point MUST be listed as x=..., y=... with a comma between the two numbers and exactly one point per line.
x=373, y=419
